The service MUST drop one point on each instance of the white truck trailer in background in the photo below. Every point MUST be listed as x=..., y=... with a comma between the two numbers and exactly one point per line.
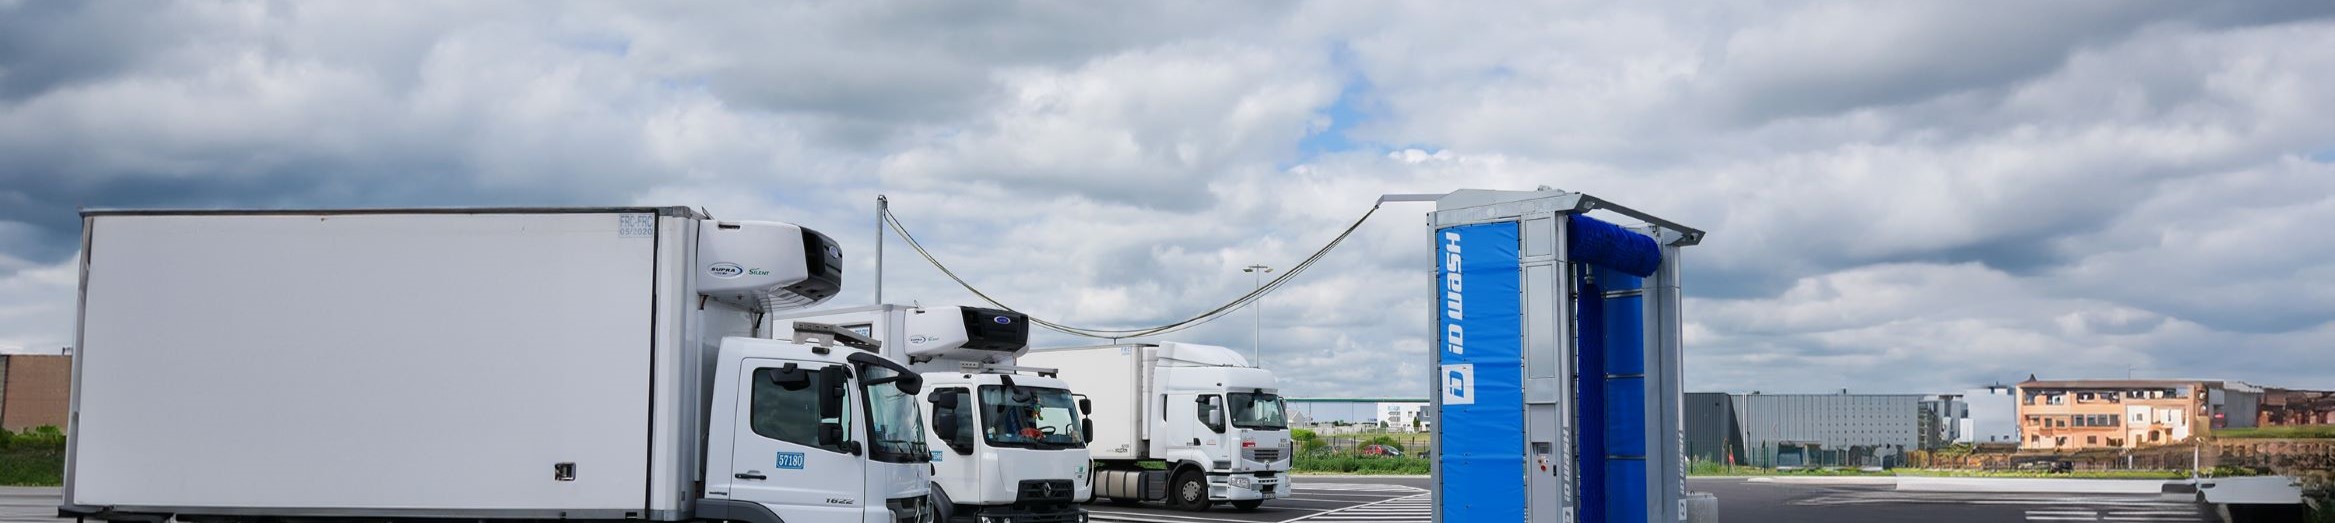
x=1008, y=443
x=476, y=364
x=1214, y=421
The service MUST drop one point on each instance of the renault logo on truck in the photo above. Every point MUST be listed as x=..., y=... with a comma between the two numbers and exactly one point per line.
x=725, y=270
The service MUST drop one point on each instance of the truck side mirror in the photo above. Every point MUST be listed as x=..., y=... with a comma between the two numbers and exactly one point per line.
x=1085, y=406
x=830, y=434
x=942, y=399
x=1216, y=420
x=1086, y=430
x=945, y=423
x=831, y=399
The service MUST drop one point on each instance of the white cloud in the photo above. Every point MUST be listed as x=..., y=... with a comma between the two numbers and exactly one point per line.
x=1900, y=196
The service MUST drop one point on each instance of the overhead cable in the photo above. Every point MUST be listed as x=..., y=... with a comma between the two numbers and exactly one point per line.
x=1114, y=334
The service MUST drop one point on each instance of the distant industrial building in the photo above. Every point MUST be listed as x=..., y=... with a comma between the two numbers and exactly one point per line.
x=1795, y=430
x=1712, y=434
x=1391, y=413
x=35, y=391
x=1989, y=415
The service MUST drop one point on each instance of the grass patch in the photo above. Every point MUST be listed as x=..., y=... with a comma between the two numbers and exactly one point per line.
x=33, y=458
x=2288, y=432
x=2081, y=474
x=1373, y=465
x=1714, y=469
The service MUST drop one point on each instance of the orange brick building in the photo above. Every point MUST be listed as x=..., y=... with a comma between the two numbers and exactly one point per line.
x=35, y=390
x=2081, y=414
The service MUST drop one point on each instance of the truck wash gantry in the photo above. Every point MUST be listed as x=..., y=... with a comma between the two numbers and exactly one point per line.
x=1558, y=360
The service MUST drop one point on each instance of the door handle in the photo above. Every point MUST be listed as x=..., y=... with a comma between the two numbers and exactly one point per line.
x=756, y=477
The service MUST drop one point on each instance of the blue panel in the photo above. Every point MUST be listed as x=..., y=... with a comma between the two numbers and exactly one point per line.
x=1625, y=417
x=1607, y=245
x=1626, y=504
x=1481, y=424
x=1622, y=335
x=1589, y=398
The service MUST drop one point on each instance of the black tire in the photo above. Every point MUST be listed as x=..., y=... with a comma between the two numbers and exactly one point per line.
x=1248, y=504
x=943, y=511
x=1189, y=492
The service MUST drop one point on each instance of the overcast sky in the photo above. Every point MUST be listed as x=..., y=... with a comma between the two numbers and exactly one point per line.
x=1901, y=196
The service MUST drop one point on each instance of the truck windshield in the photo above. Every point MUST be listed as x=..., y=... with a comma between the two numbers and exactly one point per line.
x=895, y=423
x=1034, y=417
x=1256, y=411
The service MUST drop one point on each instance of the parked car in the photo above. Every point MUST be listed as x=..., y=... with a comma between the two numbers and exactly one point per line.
x=1382, y=450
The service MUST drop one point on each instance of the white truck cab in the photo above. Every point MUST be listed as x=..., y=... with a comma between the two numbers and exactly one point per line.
x=822, y=434
x=1008, y=443
x=1211, y=427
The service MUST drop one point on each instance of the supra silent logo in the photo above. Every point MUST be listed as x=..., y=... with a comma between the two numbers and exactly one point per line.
x=725, y=270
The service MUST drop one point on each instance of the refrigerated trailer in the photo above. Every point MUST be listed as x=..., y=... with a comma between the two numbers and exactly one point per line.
x=1193, y=425
x=476, y=364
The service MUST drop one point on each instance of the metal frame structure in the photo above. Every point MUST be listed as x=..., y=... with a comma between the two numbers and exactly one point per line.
x=1556, y=480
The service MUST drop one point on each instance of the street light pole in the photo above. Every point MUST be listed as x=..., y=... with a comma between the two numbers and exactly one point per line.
x=1257, y=275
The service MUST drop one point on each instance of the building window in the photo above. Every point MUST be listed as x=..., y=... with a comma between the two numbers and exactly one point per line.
x=2091, y=440
x=2083, y=396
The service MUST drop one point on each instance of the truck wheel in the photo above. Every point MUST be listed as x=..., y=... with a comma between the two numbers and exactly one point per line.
x=1248, y=504
x=1189, y=492
x=942, y=510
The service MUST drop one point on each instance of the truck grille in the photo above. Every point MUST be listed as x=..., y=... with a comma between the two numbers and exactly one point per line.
x=1044, y=490
x=1264, y=455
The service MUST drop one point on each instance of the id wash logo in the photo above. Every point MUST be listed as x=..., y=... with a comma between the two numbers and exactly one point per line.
x=790, y=460
x=1458, y=380
x=1453, y=342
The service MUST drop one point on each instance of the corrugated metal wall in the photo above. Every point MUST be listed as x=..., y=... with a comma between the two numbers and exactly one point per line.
x=1881, y=424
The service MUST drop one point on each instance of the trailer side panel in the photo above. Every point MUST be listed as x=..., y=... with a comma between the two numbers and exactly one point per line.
x=417, y=364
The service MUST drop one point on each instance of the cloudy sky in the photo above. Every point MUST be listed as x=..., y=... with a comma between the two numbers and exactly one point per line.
x=1902, y=196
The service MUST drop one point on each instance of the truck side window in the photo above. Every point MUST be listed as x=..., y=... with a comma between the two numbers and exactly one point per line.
x=954, y=423
x=1210, y=403
x=788, y=410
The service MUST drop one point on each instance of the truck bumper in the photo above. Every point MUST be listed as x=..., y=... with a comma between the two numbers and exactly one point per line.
x=1027, y=514
x=1245, y=486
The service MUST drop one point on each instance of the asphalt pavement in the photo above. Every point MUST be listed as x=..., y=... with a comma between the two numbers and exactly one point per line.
x=28, y=505
x=1311, y=498
x=1403, y=499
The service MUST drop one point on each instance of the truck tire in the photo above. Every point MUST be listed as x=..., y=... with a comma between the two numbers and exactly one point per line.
x=943, y=511
x=1248, y=504
x=1189, y=492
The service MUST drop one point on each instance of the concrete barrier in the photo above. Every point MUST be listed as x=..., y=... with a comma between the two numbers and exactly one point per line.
x=2031, y=485
x=1702, y=507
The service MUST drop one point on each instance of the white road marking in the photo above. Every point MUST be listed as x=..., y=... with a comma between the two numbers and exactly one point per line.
x=1416, y=507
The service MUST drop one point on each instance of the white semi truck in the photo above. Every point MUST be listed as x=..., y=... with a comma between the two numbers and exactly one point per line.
x=1008, y=443
x=476, y=365
x=1213, y=425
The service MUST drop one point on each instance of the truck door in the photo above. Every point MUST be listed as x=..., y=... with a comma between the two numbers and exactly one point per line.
x=798, y=452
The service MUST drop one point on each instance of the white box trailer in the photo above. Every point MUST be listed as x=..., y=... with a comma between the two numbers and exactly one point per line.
x=1192, y=425
x=435, y=363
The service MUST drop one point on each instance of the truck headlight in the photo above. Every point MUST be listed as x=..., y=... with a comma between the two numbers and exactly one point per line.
x=1244, y=482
